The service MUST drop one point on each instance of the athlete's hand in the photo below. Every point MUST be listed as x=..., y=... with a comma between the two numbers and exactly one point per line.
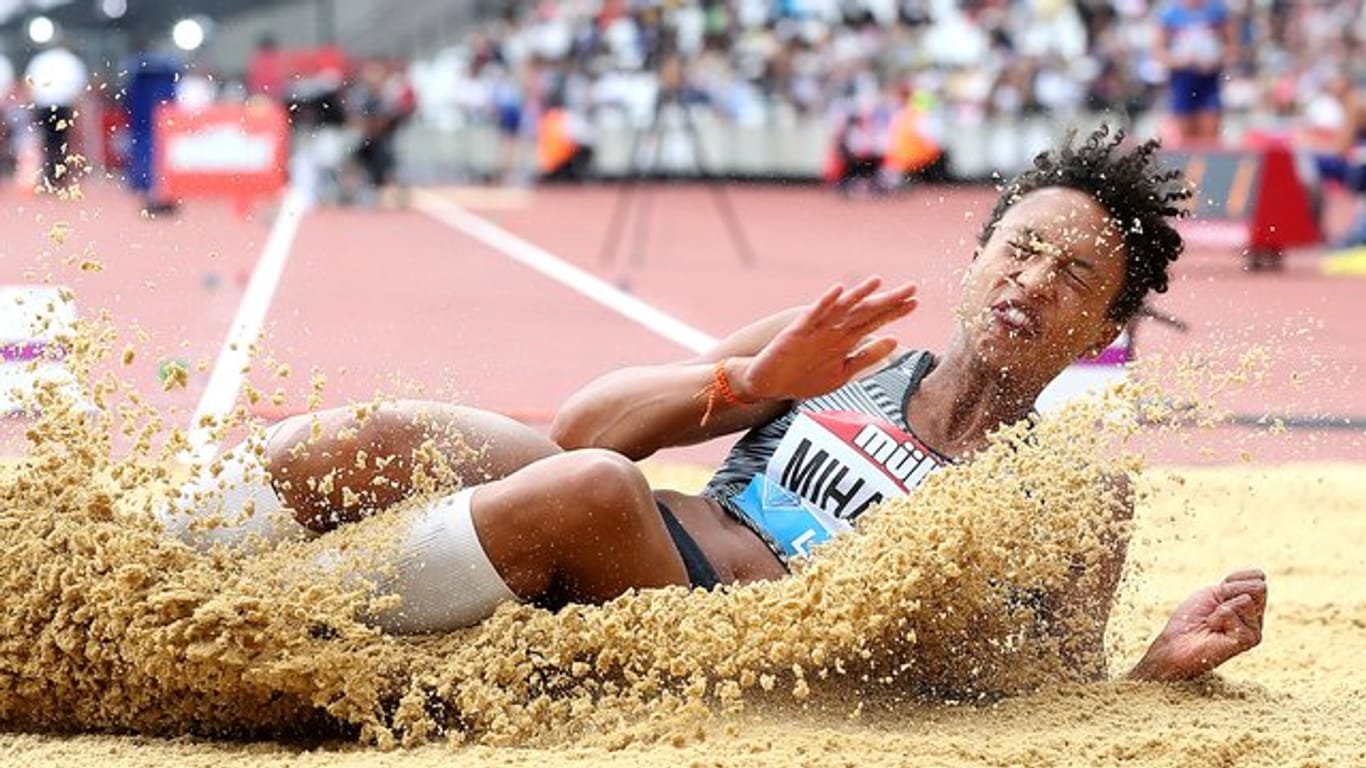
x=823, y=347
x=1210, y=627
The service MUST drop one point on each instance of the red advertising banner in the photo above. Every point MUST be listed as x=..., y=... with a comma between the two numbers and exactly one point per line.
x=239, y=151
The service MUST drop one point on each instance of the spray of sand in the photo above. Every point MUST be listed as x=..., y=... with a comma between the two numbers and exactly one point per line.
x=968, y=589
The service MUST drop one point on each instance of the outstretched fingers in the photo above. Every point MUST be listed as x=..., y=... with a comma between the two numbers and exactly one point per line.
x=819, y=311
x=859, y=310
x=888, y=309
x=873, y=309
x=869, y=352
x=851, y=299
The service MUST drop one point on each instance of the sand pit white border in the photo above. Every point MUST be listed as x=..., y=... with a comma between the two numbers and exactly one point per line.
x=546, y=263
x=229, y=369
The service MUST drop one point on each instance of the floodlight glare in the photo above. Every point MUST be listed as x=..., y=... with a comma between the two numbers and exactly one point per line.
x=187, y=34
x=41, y=30
x=114, y=9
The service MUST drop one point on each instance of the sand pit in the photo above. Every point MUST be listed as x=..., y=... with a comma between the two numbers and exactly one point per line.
x=1297, y=700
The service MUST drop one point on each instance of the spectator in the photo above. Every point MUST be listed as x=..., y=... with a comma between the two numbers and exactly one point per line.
x=266, y=71
x=1336, y=134
x=56, y=78
x=760, y=62
x=564, y=143
x=152, y=81
x=913, y=151
x=862, y=138
x=7, y=159
x=378, y=105
x=509, y=101
x=1196, y=40
x=321, y=141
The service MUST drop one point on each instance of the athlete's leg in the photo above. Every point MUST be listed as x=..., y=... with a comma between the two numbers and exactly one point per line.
x=312, y=472
x=344, y=464
x=578, y=527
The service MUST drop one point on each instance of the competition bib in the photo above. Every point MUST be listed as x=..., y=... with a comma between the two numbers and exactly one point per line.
x=829, y=468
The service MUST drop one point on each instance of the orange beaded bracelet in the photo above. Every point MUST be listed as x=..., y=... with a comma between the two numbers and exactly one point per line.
x=718, y=374
x=720, y=386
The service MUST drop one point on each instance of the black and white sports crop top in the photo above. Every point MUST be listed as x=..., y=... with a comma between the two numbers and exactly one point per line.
x=809, y=473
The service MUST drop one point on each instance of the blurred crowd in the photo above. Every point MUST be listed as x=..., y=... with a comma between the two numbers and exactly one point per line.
x=752, y=61
x=889, y=79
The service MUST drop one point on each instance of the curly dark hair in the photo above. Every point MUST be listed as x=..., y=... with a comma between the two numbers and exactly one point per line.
x=1140, y=194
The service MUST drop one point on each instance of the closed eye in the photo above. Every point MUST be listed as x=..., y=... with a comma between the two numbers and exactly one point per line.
x=1074, y=273
x=1022, y=250
x=1074, y=270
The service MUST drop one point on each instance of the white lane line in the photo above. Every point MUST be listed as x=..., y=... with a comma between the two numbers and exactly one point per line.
x=229, y=370
x=561, y=271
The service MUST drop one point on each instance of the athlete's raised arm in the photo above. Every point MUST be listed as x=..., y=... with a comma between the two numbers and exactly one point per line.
x=746, y=379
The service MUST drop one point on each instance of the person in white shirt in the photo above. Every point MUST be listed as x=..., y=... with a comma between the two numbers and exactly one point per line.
x=56, y=78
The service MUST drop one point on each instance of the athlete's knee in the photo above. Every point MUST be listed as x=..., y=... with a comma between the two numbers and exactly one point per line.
x=292, y=460
x=295, y=439
x=232, y=500
x=605, y=485
x=314, y=456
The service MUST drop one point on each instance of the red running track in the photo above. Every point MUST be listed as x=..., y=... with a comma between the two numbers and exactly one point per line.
x=169, y=286
x=401, y=303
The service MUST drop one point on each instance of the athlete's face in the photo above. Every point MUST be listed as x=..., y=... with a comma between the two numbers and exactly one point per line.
x=1036, y=295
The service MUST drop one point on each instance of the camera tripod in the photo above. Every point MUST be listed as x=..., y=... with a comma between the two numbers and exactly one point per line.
x=669, y=100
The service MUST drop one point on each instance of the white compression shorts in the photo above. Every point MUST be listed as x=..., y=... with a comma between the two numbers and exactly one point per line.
x=440, y=572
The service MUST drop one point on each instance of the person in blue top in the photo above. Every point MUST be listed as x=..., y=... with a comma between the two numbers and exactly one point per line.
x=151, y=83
x=1196, y=42
x=1337, y=140
x=835, y=416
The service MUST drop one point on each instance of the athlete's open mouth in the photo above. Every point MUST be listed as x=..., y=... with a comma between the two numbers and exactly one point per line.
x=1019, y=319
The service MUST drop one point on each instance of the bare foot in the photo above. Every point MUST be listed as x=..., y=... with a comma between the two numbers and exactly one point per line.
x=1209, y=628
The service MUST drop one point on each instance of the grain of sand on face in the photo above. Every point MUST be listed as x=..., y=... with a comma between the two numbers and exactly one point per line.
x=937, y=634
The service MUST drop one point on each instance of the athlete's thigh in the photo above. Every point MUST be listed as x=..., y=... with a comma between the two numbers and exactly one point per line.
x=486, y=445
x=496, y=445
x=351, y=461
